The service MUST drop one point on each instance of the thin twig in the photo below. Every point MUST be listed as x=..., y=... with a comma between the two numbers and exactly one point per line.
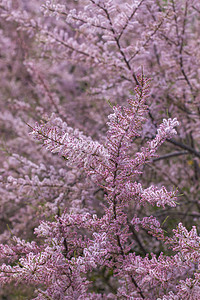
x=170, y=155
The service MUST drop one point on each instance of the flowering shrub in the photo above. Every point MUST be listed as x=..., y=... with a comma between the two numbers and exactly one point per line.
x=90, y=208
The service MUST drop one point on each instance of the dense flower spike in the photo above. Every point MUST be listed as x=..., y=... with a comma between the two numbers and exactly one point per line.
x=90, y=215
x=108, y=246
x=72, y=144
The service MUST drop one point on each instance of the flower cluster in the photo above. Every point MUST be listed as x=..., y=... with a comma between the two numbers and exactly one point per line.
x=92, y=185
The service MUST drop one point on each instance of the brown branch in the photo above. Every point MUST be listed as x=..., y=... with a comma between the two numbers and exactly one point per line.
x=170, y=155
x=131, y=16
x=183, y=146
